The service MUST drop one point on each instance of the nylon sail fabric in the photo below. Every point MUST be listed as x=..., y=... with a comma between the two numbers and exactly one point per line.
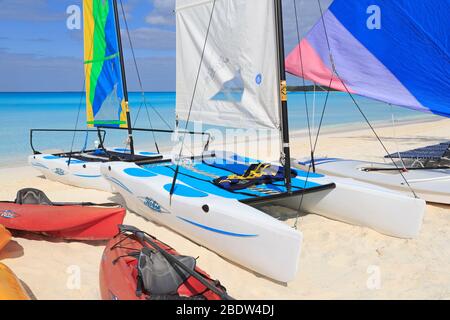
x=397, y=52
x=238, y=85
x=105, y=105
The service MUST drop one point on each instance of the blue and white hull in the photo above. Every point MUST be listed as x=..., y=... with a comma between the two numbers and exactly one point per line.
x=82, y=174
x=432, y=185
x=210, y=216
x=228, y=224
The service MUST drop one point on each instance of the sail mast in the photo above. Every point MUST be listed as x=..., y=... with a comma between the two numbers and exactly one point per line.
x=124, y=78
x=283, y=95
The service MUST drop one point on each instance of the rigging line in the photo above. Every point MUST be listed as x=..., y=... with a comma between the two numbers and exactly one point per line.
x=138, y=113
x=172, y=188
x=314, y=107
x=359, y=107
x=313, y=147
x=322, y=116
x=303, y=79
x=395, y=137
x=138, y=74
x=76, y=123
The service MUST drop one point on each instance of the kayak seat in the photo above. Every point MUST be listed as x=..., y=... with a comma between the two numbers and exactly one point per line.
x=32, y=196
x=157, y=276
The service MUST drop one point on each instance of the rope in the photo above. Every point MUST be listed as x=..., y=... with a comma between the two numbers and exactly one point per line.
x=85, y=142
x=395, y=138
x=172, y=188
x=303, y=79
x=358, y=106
x=313, y=146
x=76, y=123
x=141, y=85
x=322, y=116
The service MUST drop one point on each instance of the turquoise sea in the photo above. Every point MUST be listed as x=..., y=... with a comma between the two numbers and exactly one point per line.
x=23, y=111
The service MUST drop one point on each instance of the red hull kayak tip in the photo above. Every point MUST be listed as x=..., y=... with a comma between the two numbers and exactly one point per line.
x=121, y=273
x=66, y=221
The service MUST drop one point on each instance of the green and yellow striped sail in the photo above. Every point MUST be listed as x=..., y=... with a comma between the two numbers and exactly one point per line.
x=105, y=104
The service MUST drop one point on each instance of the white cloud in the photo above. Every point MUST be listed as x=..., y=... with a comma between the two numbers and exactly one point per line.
x=308, y=14
x=151, y=38
x=32, y=72
x=162, y=13
x=36, y=10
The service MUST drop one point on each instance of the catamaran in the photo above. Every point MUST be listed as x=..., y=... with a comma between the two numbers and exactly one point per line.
x=106, y=106
x=360, y=47
x=231, y=72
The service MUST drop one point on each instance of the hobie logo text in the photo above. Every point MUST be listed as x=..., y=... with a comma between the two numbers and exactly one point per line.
x=152, y=204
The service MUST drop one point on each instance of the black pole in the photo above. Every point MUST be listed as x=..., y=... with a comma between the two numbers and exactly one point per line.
x=283, y=95
x=313, y=162
x=124, y=78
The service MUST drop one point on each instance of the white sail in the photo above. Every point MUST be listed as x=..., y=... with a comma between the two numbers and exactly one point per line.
x=238, y=83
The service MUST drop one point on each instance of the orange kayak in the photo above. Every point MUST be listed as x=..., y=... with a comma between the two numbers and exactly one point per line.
x=5, y=236
x=10, y=287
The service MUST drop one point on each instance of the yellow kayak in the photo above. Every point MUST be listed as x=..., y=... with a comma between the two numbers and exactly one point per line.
x=5, y=236
x=10, y=287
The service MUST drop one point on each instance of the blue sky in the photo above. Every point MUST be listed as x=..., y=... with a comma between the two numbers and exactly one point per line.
x=39, y=53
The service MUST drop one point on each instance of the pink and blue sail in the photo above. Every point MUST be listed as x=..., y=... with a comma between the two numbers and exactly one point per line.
x=397, y=52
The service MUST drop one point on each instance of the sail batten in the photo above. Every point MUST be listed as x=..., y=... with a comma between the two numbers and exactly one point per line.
x=392, y=51
x=105, y=105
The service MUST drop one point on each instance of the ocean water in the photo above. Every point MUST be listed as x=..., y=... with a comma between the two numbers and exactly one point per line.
x=23, y=111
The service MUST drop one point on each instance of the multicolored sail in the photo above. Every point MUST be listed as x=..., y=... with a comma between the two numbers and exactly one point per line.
x=394, y=51
x=105, y=104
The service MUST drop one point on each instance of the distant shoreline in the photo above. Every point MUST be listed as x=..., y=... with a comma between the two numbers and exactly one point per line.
x=81, y=92
x=309, y=88
x=20, y=161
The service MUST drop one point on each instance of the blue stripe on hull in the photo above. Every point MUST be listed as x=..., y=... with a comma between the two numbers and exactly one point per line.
x=39, y=165
x=87, y=176
x=120, y=184
x=227, y=233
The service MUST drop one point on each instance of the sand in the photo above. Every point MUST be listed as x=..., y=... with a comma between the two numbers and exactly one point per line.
x=338, y=261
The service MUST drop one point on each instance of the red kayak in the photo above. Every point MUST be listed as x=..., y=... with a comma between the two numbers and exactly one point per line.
x=67, y=221
x=123, y=272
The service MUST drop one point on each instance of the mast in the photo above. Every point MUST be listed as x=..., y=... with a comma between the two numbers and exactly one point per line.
x=283, y=95
x=124, y=78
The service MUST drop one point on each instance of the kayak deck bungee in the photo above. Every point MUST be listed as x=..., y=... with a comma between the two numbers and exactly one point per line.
x=120, y=273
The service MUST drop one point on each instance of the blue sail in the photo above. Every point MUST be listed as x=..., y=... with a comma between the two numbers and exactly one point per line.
x=393, y=51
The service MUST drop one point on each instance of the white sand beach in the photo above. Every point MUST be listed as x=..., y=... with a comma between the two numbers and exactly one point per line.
x=338, y=261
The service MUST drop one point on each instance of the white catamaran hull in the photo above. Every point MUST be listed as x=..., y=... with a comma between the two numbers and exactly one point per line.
x=358, y=203
x=248, y=236
x=80, y=174
x=432, y=185
x=234, y=230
